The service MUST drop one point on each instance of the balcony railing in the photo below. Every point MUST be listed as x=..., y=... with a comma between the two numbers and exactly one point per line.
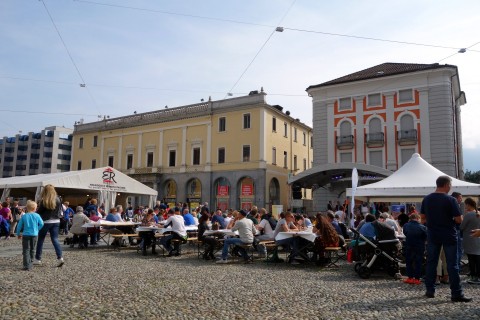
x=345, y=142
x=407, y=137
x=376, y=139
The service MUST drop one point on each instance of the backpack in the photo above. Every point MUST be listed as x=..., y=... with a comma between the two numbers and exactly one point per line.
x=272, y=222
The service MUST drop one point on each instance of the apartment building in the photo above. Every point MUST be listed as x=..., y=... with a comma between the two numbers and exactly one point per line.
x=47, y=151
x=231, y=153
x=375, y=119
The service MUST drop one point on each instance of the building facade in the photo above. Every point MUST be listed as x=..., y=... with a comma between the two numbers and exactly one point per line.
x=379, y=117
x=48, y=151
x=231, y=153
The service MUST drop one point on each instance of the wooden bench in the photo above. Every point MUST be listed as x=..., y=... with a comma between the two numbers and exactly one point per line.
x=120, y=237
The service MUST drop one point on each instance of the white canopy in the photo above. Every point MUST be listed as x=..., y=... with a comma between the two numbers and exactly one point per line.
x=414, y=180
x=107, y=181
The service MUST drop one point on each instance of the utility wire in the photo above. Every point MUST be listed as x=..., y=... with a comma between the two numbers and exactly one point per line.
x=270, y=26
x=142, y=88
x=83, y=84
x=460, y=51
x=260, y=50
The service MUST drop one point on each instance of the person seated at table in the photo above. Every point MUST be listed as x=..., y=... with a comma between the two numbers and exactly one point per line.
x=286, y=225
x=113, y=216
x=327, y=236
x=178, y=232
x=307, y=222
x=138, y=215
x=385, y=217
x=253, y=215
x=246, y=231
x=210, y=242
x=79, y=233
x=94, y=232
x=188, y=218
x=233, y=220
x=367, y=229
x=91, y=208
x=218, y=217
x=339, y=227
x=148, y=237
x=266, y=229
x=299, y=222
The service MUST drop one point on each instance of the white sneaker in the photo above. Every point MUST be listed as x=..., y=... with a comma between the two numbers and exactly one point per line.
x=222, y=261
x=37, y=262
x=60, y=262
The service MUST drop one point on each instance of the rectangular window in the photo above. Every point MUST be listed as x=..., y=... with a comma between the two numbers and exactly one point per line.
x=376, y=158
x=246, y=153
x=222, y=124
x=274, y=124
x=304, y=139
x=304, y=164
x=374, y=100
x=79, y=165
x=246, y=121
x=406, y=155
x=285, y=159
x=311, y=142
x=110, y=161
x=129, y=161
x=295, y=167
x=196, y=156
x=172, y=155
x=221, y=155
x=345, y=104
x=149, y=159
x=274, y=155
x=80, y=143
x=346, y=157
x=95, y=141
x=285, y=129
x=295, y=134
x=94, y=164
x=405, y=95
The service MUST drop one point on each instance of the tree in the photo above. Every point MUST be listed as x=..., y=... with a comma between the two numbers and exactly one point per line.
x=472, y=176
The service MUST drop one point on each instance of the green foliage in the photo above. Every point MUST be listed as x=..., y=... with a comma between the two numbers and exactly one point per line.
x=472, y=176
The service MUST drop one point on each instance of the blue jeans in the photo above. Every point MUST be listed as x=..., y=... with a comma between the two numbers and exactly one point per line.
x=414, y=261
x=451, y=253
x=53, y=229
x=235, y=241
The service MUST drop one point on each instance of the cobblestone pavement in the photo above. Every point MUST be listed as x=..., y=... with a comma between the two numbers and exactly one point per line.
x=99, y=283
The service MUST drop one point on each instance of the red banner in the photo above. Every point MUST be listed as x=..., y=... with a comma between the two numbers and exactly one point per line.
x=247, y=189
x=246, y=206
x=222, y=191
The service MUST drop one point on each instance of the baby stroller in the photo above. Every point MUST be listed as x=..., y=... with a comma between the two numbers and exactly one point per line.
x=380, y=254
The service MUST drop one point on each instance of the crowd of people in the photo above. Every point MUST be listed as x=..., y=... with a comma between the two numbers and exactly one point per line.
x=440, y=232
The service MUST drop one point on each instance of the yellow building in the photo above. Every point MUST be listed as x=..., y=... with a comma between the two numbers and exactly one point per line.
x=231, y=153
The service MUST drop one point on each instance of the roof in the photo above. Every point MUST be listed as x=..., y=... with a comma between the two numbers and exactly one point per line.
x=105, y=178
x=382, y=70
x=414, y=180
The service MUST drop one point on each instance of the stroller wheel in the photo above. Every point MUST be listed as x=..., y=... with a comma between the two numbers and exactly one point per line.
x=393, y=270
x=357, y=266
x=364, y=272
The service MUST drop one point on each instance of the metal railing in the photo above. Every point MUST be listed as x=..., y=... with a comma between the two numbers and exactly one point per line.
x=406, y=137
x=345, y=142
x=375, y=139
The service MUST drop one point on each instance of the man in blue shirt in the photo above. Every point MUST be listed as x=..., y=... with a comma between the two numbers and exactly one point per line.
x=440, y=212
x=188, y=218
x=218, y=217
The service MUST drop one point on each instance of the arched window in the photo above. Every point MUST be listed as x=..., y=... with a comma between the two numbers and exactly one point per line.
x=345, y=128
x=406, y=122
x=375, y=125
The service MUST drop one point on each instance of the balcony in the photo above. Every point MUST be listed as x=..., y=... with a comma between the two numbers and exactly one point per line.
x=407, y=137
x=376, y=139
x=345, y=142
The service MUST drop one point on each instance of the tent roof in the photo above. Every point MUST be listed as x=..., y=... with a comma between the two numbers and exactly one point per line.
x=105, y=178
x=414, y=180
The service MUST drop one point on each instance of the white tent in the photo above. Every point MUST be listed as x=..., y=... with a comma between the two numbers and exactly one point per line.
x=414, y=180
x=106, y=181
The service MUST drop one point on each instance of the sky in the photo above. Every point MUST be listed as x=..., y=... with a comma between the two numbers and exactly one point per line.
x=66, y=60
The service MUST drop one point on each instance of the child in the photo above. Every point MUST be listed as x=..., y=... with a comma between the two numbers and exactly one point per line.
x=29, y=225
x=416, y=235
